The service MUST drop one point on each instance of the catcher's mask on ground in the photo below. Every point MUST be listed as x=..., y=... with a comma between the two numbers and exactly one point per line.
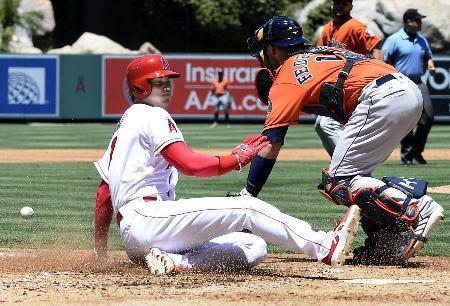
x=278, y=31
x=144, y=68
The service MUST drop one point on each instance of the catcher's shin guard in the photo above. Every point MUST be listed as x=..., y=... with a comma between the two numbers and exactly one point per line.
x=384, y=209
x=394, y=213
x=379, y=204
x=384, y=204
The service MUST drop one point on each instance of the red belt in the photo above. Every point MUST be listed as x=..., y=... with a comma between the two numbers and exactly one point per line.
x=146, y=199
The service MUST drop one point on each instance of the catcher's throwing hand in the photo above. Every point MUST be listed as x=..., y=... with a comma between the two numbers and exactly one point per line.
x=249, y=147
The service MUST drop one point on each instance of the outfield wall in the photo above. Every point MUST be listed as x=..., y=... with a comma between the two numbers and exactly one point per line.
x=90, y=87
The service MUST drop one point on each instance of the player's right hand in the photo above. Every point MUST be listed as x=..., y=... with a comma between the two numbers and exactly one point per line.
x=249, y=147
x=96, y=257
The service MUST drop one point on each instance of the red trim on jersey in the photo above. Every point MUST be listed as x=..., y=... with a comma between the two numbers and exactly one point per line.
x=100, y=169
x=165, y=143
x=188, y=162
x=113, y=146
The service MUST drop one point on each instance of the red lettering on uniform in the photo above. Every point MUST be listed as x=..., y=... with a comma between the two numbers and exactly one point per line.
x=172, y=127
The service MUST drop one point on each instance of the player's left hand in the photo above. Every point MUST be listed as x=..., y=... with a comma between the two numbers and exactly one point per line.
x=249, y=147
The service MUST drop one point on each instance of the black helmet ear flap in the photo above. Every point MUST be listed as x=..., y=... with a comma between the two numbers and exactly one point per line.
x=255, y=43
x=263, y=82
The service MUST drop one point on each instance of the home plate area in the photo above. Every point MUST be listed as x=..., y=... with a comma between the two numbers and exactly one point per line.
x=385, y=281
x=62, y=277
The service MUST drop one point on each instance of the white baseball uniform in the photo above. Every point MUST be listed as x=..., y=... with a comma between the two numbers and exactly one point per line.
x=329, y=131
x=377, y=126
x=198, y=232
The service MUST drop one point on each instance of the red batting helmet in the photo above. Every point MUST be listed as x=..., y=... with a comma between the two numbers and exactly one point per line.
x=145, y=68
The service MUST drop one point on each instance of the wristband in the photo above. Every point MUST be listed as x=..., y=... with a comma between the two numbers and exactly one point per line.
x=239, y=162
x=228, y=163
x=260, y=170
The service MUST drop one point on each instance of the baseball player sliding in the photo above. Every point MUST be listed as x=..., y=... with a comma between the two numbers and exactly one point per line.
x=378, y=106
x=139, y=172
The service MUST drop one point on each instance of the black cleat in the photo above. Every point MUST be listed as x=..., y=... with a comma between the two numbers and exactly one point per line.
x=419, y=158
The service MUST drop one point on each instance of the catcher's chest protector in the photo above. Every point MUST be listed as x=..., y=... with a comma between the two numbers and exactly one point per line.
x=331, y=96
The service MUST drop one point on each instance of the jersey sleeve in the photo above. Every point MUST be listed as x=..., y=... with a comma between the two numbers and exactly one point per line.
x=428, y=53
x=286, y=102
x=161, y=130
x=102, y=165
x=389, y=50
x=367, y=38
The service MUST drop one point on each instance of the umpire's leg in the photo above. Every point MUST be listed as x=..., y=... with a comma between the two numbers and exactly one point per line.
x=425, y=122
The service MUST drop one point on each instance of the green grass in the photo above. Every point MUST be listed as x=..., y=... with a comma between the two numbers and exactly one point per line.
x=63, y=194
x=197, y=135
x=55, y=136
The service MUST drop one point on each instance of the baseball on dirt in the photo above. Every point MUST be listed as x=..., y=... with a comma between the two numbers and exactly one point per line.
x=26, y=212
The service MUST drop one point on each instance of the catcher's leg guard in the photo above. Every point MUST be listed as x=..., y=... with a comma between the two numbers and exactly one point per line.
x=387, y=206
x=397, y=221
x=405, y=222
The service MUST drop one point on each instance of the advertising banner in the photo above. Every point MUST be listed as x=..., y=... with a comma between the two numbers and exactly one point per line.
x=29, y=86
x=192, y=91
x=439, y=87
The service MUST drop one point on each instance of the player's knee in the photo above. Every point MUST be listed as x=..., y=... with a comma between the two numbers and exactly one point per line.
x=361, y=181
x=254, y=247
x=252, y=204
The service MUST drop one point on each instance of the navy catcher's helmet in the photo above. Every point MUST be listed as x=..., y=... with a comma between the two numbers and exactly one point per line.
x=277, y=31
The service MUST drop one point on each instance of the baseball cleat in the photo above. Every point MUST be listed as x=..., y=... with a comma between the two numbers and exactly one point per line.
x=158, y=262
x=343, y=236
x=430, y=215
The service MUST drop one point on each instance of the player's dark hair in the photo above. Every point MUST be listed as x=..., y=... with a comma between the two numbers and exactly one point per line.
x=295, y=49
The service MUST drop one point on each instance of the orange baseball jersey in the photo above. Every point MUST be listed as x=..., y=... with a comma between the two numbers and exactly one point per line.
x=298, y=81
x=220, y=88
x=353, y=35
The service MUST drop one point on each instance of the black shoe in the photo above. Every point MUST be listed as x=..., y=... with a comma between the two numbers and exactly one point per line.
x=419, y=158
x=232, y=194
x=243, y=192
x=407, y=156
x=406, y=162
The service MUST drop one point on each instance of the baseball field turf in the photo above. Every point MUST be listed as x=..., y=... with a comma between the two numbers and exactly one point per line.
x=62, y=194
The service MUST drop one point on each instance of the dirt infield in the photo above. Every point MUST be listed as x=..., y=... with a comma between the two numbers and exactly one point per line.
x=66, y=277
x=62, y=277
x=86, y=155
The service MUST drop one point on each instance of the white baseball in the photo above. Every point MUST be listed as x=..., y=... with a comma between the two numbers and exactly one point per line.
x=26, y=212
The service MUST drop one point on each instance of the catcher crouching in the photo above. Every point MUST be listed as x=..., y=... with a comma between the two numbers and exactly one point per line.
x=378, y=107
